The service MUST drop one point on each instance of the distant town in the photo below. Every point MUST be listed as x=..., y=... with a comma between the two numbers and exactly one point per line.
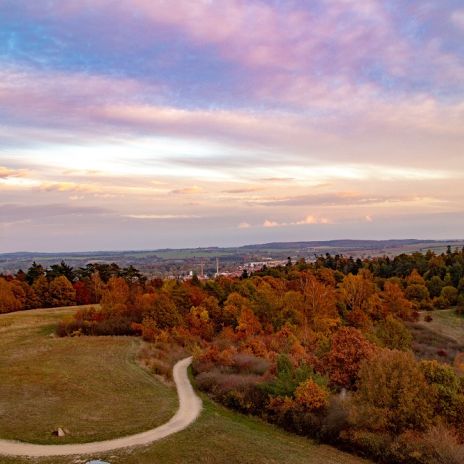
x=233, y=261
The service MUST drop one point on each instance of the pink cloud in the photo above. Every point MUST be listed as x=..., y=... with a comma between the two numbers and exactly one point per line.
x=193, y=190
x=268, y=223
x=457, y=18
x=7, y=172
x=80, y=108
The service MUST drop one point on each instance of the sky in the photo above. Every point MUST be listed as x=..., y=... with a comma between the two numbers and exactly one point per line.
x=143, y=124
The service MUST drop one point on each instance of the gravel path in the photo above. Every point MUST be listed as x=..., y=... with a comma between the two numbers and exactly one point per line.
x=189, y=408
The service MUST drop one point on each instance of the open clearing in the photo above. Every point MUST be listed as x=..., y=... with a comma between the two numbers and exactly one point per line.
x=447, y=323
x=441, y=339
x=90, y=386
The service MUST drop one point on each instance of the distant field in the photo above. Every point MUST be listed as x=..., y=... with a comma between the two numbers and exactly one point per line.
x=88, y=385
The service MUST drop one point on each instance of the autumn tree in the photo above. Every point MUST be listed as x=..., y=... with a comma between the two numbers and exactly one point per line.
x=160, y=310
x=310, y=396
x=393, y=334
x=393, y=394
x=416, y=289
x=41, y=289
x=348, y=350
x=319, y=310
x=395, y=302
x=233, y=307
x=30, y=298
x=115, y=296
x=248, y=324
x=83, y=294
x=61, y=292
x=8, y=300
x=199, y=322
x=447, y=397
x=358, y=293
x=96, y=287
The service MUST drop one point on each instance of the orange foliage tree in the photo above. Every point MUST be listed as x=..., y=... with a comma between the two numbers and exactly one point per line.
x=393, y=394
x=395, y=302
x=116, y=295
x=348, y=350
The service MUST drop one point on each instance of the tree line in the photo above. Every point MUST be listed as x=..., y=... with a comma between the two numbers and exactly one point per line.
x=59, y=285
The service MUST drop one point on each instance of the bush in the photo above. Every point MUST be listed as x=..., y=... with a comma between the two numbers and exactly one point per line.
x=336, y=418
x=249, y=364
x=374, y=444
x=438, y=445
x=392, y=395
x=393, y=334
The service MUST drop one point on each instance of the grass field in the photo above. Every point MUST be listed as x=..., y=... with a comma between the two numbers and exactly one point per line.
x=219, y=436
x=448, y=323
x=83, y=384
x=442, y=338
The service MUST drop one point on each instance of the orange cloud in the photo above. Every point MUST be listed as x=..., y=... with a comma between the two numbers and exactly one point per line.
x=195, y=189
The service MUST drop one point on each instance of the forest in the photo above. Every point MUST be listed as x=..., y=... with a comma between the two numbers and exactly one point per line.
x=321, y=348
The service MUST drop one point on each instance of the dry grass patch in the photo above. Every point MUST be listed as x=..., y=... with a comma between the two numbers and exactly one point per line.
x=90, y=386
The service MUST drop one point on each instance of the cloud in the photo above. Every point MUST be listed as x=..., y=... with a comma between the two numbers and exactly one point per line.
x=457, y=18
x=195, y=189
x=268, y=223
x=161, y=216
x=308, y=220
x=68, y=187
x=278, y=179
x=329, y=109
x=244, y=225
x=333, y=199
x=7, y=172
x=242, y=190
x=18, y=212
x=337, y=125
x=313, y=220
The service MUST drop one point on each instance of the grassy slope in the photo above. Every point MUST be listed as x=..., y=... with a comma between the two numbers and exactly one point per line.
x=219, y=435
x=447, y=323
x=83, y=384
x=445, y=334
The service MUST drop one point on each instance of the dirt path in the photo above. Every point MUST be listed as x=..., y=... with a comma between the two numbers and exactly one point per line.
x=189, y=408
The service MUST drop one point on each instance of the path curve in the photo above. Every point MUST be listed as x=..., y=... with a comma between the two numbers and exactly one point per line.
x=189, y=408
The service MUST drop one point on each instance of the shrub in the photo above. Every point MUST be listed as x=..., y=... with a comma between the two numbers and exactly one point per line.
x=440, y=446
x=310, y=396
x=249, y=364
x=393, y=394
x=393, y=334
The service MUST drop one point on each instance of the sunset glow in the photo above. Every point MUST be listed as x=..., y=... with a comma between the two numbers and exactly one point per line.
x=133, y=124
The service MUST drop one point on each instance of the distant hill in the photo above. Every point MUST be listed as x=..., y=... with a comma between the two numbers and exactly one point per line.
x=166, y=261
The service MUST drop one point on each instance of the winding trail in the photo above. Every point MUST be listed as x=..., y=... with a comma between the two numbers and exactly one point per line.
x=189, y=408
